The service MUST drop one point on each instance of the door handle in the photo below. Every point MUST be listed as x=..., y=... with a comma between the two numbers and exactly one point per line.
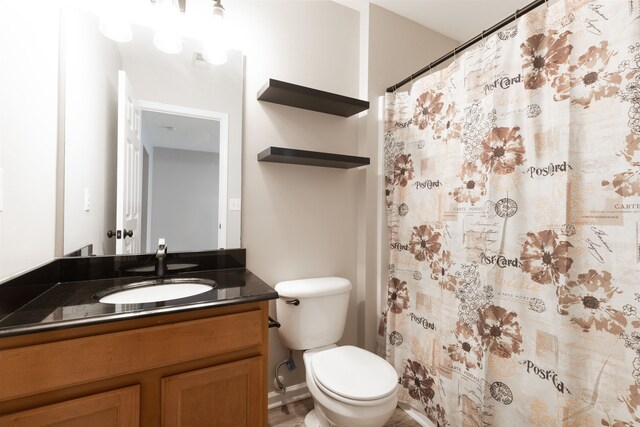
x=110, y=234
x=127, y=233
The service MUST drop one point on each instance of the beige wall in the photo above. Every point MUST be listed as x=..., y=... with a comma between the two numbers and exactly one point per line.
x=299, y=221
x=396, y=48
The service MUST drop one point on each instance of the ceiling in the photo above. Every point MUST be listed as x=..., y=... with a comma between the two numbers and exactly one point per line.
x=180, y=132
x=459, y=19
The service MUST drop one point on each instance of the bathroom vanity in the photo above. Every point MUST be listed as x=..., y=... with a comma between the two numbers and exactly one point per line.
x=198, y=361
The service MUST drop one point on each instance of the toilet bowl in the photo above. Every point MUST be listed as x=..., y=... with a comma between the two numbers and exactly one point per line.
x=351, y=387
x=366, y=396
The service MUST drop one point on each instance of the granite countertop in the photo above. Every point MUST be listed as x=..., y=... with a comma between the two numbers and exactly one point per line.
x=71, y=303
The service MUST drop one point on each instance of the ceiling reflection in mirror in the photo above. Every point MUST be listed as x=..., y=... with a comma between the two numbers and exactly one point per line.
x=152, y=143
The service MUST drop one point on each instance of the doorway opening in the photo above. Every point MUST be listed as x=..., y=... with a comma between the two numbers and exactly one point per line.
x=184, y=182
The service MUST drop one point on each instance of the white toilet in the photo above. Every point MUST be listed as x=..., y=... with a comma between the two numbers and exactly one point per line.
x=351, y=387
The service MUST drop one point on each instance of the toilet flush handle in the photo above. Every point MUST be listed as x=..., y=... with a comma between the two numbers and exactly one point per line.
x=293, y=301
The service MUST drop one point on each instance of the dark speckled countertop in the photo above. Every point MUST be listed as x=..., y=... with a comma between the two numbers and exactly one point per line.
x=62, y=294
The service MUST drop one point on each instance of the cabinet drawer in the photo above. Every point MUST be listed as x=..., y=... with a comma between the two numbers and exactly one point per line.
x=45, y=367
x=117, y=408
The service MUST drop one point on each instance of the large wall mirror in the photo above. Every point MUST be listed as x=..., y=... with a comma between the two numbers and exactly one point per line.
x=152, y=145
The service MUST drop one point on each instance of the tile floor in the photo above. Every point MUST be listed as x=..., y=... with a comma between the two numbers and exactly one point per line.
x=292, y=415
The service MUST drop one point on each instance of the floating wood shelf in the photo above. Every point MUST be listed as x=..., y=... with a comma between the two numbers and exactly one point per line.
x=293, y=95
x=311, y=158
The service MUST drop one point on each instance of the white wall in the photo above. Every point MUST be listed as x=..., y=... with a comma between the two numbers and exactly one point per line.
x=185, y=199
x=91, y=103
x=28, y=133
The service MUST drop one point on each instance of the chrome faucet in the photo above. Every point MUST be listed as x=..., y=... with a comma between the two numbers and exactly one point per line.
x=161, y=258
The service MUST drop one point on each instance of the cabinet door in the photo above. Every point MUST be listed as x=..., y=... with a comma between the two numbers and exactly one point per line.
x=117, y=408
x=226, y=395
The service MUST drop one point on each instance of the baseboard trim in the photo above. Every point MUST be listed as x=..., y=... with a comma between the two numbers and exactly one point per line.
x=294, y=393
x=417, y=416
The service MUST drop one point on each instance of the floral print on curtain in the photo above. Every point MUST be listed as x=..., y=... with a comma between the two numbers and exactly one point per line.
x=513, y=204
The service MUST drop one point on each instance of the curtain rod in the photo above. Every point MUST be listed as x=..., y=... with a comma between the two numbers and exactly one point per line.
x=519, y=12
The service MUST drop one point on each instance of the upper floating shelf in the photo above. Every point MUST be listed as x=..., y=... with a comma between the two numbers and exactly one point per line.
x=311, y=158
x=293, y=95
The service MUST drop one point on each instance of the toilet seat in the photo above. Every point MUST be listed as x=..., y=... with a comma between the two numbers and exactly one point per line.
x=353, y=375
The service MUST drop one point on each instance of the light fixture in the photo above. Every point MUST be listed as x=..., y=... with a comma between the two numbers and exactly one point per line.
x=214, y=49
x=218, y=13
x=114, y=22
x=203, y=20
x=167, y=36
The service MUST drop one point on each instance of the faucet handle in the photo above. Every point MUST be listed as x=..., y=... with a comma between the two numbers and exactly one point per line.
x=162, y=247
x=161, y=258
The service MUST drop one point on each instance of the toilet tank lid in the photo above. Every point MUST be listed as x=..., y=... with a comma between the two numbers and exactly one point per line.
x=310, y=288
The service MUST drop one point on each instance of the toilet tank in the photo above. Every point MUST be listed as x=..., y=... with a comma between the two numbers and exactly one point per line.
x=319, y=318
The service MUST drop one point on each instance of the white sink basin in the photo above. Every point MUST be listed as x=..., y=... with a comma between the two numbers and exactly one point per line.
x=156, y=291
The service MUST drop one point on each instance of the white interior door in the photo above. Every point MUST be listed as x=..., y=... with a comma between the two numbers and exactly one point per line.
x=129, y=187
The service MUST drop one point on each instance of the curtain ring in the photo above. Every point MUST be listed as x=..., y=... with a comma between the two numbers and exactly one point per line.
x=454, y=53
x=482, y=39
x=515, y=14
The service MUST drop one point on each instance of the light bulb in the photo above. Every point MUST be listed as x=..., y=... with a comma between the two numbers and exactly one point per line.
x=218, y=13
x=214, y=49
x=167, y=36
x=214, y=52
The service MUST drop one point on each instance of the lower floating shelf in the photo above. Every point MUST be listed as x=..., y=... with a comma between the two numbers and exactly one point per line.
x=311, y=158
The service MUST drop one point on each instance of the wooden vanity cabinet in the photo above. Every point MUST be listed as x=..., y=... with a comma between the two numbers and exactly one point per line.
x=200, y=368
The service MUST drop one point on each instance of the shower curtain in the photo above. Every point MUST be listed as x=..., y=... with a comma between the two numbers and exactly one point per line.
x=513, y=204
